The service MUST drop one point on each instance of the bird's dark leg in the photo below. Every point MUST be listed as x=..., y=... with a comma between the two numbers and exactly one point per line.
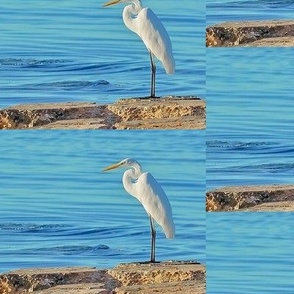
x=153, y=71
x=153, y=236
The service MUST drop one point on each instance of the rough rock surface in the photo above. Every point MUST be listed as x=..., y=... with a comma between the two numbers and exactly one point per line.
x=39, y=280
x=136, y=278
x=275, y=33
x=281, y=206
x=251, y=198
x=133, y=113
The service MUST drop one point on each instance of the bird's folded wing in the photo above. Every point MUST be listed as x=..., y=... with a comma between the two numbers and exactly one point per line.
x=155, y=202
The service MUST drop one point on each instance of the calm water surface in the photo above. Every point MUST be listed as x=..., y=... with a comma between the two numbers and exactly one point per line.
x=249, y=141
x=79, y=51
x=249, y=253
x=250, y=121
x=58, y=209
x=233, y=10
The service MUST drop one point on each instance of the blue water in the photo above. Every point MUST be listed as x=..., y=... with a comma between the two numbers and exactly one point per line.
x=79, y=51
x=58, y=209
x=249, y=253
x=250, y=121
x=249, y=141
x=218, y=11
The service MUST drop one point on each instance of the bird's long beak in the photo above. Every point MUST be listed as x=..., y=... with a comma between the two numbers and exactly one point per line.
x=113, y=166
x=112, y=2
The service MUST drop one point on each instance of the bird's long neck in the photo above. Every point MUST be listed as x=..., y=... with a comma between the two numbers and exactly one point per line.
x=130, y=178
x=130, y=12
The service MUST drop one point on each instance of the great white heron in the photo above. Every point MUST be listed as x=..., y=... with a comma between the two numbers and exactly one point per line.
x=149, y=28
x=144, y=187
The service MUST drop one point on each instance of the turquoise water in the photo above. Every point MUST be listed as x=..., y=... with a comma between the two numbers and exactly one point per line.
x=58, y=209
x=79, y=51
x=218, y=11
x=249, y=253
x=249, y=116
x=249, y=141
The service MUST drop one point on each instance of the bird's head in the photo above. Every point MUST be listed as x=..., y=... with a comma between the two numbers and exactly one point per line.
x=125, y=162
x=112, y=2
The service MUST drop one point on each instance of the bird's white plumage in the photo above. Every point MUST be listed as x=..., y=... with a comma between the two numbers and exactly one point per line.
x=155, y=37
x=144, y=187
x=149, y=28
x=155, y=202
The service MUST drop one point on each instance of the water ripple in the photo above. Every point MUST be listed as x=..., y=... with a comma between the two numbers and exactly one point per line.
x=236, y=145
x=271, y=167
x=31, y=62
x=69, y=249
x=255, y=4
x=276, y=3
x=68, y=85
x=29, y=227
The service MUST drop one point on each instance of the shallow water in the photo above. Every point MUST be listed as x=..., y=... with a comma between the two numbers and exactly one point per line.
x=58, y=209
x=79, y=51
x=249, y=142
x=249, y=253
x=249, y=117
x=218, y=11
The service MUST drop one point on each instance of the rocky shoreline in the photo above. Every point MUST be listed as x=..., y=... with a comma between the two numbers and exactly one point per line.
x=251, y=198
x=134, y=113
x=135, y=278
x=275, y=33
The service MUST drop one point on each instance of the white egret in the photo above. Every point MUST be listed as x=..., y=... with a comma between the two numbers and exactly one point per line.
x=149, y=28
x=144, y=187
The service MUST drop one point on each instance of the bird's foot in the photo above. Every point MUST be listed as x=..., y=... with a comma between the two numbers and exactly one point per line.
x=147, y=262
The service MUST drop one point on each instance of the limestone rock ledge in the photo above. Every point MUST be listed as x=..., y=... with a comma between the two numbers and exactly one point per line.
x=134, y=113
x=275, y=33
x=136, y=278
x=251, y=198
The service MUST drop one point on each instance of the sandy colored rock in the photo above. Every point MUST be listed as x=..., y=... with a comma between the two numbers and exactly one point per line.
x=163, y=272
x=46, y=115
x=166, y=277
x=146, y=108
x=281, y=206
x=273, y=42
x=5, y=286
x=76, y=124
x=187, y=287
x=164, y=113
x=133, y=113
x=89, y=288
x=251, y=198
x=251, y=33
x=47, y=280
x=181, y=123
